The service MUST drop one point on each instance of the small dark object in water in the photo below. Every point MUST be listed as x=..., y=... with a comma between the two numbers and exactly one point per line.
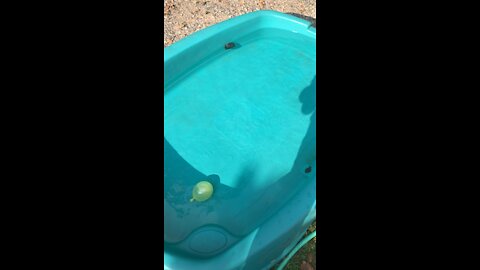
x=308, y=170
x=229, y=46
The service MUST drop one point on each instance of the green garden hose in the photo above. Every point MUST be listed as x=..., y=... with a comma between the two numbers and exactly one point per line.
x=297, y=248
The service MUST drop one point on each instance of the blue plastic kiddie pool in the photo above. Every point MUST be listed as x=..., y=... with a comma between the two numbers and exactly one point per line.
x=240, y=112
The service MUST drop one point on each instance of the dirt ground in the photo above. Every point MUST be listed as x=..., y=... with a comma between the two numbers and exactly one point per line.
x=184, y=17
x=305, y=258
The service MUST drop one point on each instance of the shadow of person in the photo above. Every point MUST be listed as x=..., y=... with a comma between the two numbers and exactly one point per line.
x=308, y=98
x=295, y=180
x=239, y=209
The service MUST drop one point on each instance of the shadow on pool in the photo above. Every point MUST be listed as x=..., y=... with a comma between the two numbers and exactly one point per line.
x=308, y=100
x=180, y=176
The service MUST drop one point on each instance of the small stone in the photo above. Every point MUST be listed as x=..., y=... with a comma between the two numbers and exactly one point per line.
x=306, y=266
x=310, y=257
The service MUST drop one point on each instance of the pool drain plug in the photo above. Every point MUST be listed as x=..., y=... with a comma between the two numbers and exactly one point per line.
x=202, y=192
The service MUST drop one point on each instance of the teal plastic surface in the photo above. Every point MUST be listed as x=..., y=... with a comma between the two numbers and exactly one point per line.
x=242, y=119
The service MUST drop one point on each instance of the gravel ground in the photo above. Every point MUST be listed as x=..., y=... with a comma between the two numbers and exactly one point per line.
x=305, y=258
x=184, y=17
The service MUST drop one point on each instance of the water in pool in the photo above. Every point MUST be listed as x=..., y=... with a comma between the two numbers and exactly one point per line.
x=243, y=120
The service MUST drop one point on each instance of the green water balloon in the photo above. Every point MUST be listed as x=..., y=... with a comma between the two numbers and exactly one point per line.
x=202, y=191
